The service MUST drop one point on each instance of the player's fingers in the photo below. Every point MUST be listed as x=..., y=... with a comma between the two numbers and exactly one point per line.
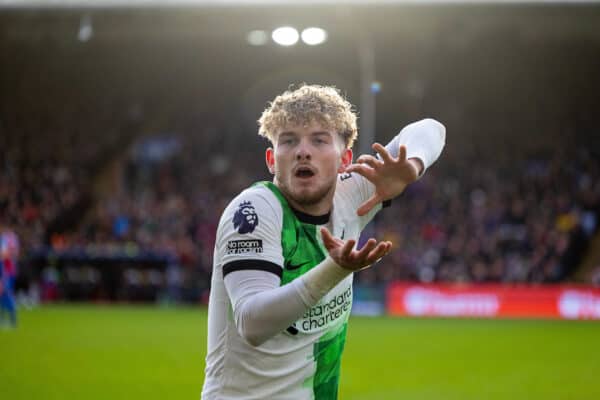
x=347, y=249
x=382, y=151
x=381, y=250
x=402, y=153
x=362, y=254
x=339, y=242
x=363, y=170
x=328, y=239
x=370, y=161
x=368, y=205
x=363, y=157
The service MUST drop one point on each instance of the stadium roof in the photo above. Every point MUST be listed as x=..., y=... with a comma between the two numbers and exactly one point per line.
x=241, y=3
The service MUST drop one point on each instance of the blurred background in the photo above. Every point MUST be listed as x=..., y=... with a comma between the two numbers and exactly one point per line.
x=127, y=127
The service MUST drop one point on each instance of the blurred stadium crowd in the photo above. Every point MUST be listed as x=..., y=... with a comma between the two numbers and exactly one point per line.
x=115, y=169
x=500, y=214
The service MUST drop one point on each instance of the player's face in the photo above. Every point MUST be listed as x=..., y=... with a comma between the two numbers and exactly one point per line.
x=306, y=161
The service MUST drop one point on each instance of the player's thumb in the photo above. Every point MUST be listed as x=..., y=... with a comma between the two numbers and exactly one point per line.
x=328, y=240
x=368, y=205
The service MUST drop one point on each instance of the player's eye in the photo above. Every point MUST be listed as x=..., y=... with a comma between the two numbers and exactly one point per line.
x=287, y=140
x=320, y=140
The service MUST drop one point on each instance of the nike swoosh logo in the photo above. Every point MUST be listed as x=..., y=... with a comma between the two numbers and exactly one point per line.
x=290, y=266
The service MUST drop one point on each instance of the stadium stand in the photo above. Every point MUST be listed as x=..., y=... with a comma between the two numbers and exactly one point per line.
x=515, y=198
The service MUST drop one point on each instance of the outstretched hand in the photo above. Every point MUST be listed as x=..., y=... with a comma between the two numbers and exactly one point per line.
x=389, y=175
x=344, y=255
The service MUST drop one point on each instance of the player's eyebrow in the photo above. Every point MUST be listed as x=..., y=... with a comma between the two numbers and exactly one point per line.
x=322, y=133
x=287, y=133
x=294, y=134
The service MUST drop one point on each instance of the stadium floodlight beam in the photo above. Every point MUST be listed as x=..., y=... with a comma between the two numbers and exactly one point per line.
x=257, y=38
x=313, y=36
x=285, y=36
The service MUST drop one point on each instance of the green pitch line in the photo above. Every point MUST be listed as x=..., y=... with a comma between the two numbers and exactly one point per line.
x=115, y=352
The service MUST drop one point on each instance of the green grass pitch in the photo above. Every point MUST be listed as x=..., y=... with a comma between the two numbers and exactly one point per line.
x=117, y=352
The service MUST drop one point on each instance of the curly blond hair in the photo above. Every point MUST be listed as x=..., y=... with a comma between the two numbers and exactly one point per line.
x=310, y=103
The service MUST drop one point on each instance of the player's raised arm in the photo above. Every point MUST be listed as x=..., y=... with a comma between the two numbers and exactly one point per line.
x=401, y=162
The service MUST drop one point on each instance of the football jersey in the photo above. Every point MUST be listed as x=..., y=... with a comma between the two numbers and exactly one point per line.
x=259, y=228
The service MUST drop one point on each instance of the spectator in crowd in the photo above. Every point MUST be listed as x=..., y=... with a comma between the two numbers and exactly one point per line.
x=9, y=254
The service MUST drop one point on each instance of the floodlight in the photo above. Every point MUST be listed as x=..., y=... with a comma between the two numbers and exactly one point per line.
x=85, y=29
x=285, y=36
x=257, y=38
x=313, y=36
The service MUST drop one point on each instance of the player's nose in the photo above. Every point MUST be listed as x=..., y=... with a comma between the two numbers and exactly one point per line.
x=303, y=151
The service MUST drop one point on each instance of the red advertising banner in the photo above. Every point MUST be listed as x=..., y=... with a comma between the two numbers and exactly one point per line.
x=493, y=300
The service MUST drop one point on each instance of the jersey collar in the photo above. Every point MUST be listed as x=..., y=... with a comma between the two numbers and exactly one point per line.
x=311, y=219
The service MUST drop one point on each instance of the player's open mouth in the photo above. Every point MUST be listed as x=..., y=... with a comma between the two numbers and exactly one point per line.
x=304, y=172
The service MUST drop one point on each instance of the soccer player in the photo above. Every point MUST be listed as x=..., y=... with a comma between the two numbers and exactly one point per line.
x=9, y=254
x=286, y=250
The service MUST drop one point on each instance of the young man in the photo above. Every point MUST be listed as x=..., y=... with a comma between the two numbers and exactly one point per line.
x=285, y=250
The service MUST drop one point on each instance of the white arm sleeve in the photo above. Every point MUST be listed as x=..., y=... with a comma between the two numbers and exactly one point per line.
x=262, y=308
x=423, y=139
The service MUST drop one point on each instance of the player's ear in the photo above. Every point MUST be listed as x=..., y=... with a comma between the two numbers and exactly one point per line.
x=346, y=160
x=270, y=160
